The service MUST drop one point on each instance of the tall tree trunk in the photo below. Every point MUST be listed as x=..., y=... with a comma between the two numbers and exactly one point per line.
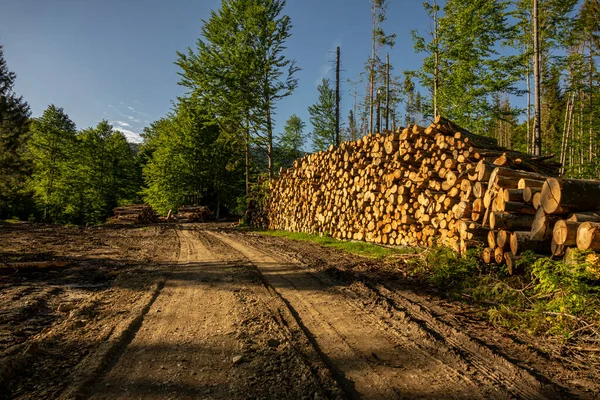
x=565, y=136
x=436, y=56
x=337, y=97
x=387, y=91
x=372, y=69
x=269, y=140
x=354, y=114
x=247, y=150
x=529, y=136
x=537, y=134
x=580, y=141
x=378, y=121
x=591, y=103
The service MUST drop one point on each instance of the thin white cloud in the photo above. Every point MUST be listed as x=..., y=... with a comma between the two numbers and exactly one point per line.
x=130, y=135
x=328, y=64
x=129, y=117
x=122, y=123
x=132, y=109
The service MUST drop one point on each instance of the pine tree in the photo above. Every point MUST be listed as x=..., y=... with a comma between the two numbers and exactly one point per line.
x=322, y=117
x=464, y=60
x=291, y=141
x=352, y=129
x=14, y=128
x=266, y=32
x=431, y=74
x=374, y=67
x=100, y=176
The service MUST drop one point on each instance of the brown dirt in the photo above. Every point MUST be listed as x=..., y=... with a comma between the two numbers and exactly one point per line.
x=195, y=311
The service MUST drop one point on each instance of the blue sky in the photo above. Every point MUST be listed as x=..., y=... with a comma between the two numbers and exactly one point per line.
x=113, y=59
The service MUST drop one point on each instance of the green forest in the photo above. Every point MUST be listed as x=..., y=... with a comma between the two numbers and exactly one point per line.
x=522, y=71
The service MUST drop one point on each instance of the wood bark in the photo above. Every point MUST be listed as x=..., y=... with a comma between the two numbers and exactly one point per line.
x=561, y=196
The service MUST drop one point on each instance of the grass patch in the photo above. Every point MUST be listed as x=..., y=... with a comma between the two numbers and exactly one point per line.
x=10, y=221
x=360, y=248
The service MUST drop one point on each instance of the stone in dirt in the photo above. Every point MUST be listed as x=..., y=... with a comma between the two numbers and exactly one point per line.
x=237, y=359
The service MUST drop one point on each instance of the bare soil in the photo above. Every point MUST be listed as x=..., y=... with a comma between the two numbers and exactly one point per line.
x=204, y=311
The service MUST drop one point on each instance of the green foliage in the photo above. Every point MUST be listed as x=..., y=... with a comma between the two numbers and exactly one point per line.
x=568, y=288
x=289, y=146
x=53, y=143
x=101, y=174
x=188, y=162
x=239, y=70
x=552, y=297
x=361, y=248
x=14, y=128
x=444, y=267
x=322, y=117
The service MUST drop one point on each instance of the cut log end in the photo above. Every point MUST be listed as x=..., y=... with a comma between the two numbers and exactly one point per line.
x=550, y=195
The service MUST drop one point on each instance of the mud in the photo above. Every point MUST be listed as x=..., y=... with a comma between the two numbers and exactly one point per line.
x=204, y=311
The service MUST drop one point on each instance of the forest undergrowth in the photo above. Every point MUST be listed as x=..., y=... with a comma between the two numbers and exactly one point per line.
x=552, y=298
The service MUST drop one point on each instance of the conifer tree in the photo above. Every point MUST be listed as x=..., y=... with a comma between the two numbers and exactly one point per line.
x=322, y=117
x=14, y=128
x=291, y=141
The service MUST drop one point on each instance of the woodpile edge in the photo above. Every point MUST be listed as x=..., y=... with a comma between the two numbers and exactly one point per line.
x=437, y=185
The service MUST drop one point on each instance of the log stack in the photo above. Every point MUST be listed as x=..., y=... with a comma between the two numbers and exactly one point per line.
x=194, y=214
x=418, y=186
x=134, y=214
x=553, y=217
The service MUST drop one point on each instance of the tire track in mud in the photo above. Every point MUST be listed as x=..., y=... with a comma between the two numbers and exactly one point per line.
x=212, y=311
x=184, y=331
x=380, y=363
x=481, y=371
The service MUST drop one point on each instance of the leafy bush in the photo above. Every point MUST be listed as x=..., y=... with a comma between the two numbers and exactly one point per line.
x=445, y=268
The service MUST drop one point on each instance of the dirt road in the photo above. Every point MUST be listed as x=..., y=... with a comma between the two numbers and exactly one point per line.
x=187, y=343
x=195, y=311
x=209, y=335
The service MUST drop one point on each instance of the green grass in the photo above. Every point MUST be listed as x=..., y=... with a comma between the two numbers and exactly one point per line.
x=360, y=248
x=11, y=221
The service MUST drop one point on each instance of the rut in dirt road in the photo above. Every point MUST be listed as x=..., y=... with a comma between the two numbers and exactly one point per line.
x=214, y=332
x=174, y=342
x=378, y=360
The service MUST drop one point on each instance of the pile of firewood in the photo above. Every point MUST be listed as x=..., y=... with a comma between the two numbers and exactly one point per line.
x=438, y=185
x=194, y=214
x=547, y=215
x=418, y=186
x=134, y=214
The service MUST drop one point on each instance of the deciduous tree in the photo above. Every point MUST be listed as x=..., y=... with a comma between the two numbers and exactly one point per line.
x=52, y=144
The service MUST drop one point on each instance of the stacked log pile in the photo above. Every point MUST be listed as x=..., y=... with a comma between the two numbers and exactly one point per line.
x=417, y=187
x=546, y=215
x=194, y=214
x=134, y=214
